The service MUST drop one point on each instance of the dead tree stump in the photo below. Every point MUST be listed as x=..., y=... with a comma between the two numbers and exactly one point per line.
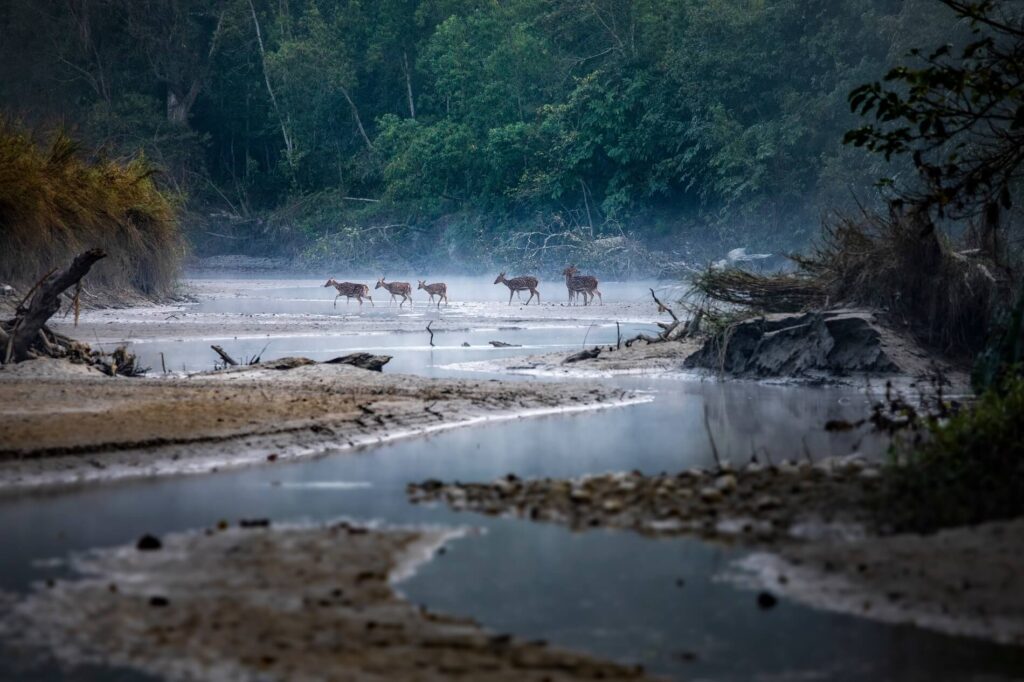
x=45, y=302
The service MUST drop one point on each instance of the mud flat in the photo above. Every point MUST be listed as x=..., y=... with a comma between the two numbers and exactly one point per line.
x=261, y=602
x=61, y=425
x=638, y=359
x=816, y=537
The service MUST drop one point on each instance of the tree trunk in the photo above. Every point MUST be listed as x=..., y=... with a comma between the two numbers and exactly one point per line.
x=45, y=302
x=408, y=85
x=289, y=145
x=359, y=121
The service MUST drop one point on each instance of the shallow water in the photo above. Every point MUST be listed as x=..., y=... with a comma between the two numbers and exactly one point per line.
x=611, y=593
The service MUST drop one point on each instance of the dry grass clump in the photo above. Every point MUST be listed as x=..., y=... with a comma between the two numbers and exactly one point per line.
x=55, y=204
x=769, y=293
x=890, y=263
x=947, y=297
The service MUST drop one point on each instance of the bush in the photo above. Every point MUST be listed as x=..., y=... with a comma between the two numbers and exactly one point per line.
x=55, y=204
x=962, y=470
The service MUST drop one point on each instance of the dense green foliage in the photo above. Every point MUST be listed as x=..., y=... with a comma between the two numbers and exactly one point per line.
x=964, y=470
x=465, y=121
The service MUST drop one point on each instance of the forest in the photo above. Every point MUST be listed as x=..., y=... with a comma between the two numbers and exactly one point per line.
x=629, y=136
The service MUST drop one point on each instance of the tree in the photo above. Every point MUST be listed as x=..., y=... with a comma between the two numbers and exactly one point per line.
x=959, y=115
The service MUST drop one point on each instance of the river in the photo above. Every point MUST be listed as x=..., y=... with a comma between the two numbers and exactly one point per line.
x=659, y=602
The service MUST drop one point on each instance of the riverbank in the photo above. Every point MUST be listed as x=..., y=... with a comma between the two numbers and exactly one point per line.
x=268, y=602
x=65, y=425
x=814, y=531
x=835, y=347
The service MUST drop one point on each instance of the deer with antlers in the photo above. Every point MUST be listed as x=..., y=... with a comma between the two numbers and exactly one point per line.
x=585, y=285
x=403, y=289
x=519, y=284
x=440, y=290
x=349, y=290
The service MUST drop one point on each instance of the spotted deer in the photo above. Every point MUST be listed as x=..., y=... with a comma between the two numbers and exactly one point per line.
x=440, y=290
x=519, y=284
x=585, y=285
x=402, y=289
x=349, y=290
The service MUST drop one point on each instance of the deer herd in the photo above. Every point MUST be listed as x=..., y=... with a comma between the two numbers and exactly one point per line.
x=577, y=285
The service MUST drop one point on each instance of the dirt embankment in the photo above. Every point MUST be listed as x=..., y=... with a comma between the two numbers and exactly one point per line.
x=827, y=347
x=60, y=429
x=814, y=528
x=269, y=603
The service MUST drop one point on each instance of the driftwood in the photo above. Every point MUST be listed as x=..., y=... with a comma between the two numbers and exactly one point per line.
x=502, y=344
x=431, y=332
x=663, y=307
x=583, y=355
x=228, y=360
x=374, y=363
x=45, y=302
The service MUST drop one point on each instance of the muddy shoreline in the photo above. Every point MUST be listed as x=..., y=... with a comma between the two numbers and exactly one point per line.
x=811, y=527
x=267, y=602
x=81, y=428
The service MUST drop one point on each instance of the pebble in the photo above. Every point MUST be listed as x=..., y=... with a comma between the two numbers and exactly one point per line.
x=710, y=494
x=726, y=483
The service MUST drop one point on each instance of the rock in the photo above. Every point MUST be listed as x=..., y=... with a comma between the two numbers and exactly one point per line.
x=6, y=290
x=148, y=543
x=502, y=344
x=830, y=342
x=710, y=494
x=726, y=483
x=465, y=344
x=612, y=506
x=579, y=495
x=582, y=355
x=374, y=363
x=767, y=600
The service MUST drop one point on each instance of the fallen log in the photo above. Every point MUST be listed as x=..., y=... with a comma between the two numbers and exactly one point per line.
x=583, y=355
x=502, y=344
x=374, y=363
x=45, y=302
x=228, y=360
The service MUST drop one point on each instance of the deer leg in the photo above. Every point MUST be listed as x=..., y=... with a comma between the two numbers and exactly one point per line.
x=511, y=292
x=336, y=301
x=599, y=297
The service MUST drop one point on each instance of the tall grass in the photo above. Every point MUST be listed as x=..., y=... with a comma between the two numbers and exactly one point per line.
x=942, y=292
x=54, y=203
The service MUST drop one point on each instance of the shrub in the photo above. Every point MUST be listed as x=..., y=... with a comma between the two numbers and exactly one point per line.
x=962, y=470
x=54, y=204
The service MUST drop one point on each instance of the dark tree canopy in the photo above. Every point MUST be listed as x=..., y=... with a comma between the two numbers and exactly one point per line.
x=958, y=114
x=293, y=124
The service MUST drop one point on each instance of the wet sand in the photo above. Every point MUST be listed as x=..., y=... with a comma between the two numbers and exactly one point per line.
x=314, y=602
x=641, y=358
x=70, y=429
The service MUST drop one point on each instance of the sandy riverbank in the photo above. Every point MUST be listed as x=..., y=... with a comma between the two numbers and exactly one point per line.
x=313, y=602
x=814, y=534
x=62, y=429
